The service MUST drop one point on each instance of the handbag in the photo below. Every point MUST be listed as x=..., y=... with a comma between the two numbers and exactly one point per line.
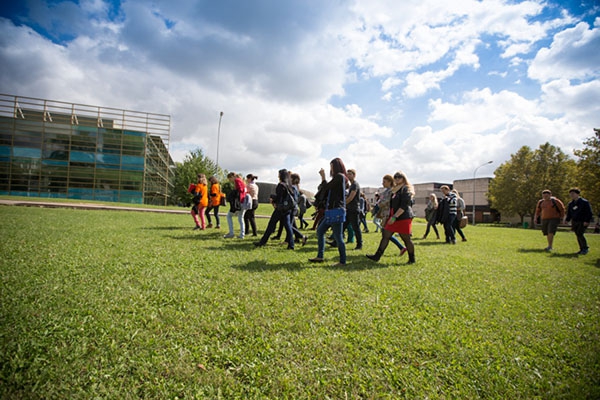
x=463, y=222
x=335, y=215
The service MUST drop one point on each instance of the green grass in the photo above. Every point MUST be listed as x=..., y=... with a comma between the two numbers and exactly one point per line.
x=127, y=305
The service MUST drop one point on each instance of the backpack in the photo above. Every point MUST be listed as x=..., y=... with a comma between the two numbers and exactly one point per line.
x=247, y=203
x=289, y=202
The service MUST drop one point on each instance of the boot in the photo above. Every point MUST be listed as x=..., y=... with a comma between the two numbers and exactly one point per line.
x=411, y=258
x=376, y=256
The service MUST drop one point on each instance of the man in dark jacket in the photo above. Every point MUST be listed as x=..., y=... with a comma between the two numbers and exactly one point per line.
x=579, y=213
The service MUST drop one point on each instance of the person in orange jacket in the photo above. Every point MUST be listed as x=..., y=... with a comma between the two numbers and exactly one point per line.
x=214, y=201
x=200, y=200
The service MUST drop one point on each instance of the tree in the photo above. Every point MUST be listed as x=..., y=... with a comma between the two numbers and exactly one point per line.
x=588, y=170
x=186, y=172
x=518, y=183
x=510, y=191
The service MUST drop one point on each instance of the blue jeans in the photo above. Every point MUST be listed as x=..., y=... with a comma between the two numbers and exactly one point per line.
x=240, y=215
x=337, y=236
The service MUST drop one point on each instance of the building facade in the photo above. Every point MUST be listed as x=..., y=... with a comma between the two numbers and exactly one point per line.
x=474, y=192
x=55, y=149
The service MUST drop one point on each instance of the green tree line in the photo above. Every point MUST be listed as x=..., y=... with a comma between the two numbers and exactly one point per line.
x=518, y=183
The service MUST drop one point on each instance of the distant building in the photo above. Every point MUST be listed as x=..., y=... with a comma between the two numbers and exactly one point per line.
x=465, y=188
x=474, y=191
x=61, y=150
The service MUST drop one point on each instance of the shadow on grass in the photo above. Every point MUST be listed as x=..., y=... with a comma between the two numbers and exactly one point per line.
x=565, y=255
x=522, y=250
x=354, y=263
x=169, y=228
x=260, y=266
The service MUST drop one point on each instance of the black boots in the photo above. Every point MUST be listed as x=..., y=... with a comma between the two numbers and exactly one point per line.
x=376, y=256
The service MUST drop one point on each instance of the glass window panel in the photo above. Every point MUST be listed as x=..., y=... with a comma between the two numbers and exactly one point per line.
x=134, y=197
x=27, y=152
x=113, y=159
x=81, y=193
x=82, y=157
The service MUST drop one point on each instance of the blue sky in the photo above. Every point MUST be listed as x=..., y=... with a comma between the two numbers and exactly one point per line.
x=429, y=88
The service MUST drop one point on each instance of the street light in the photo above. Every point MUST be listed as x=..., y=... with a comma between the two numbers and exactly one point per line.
x=218, y=140
x=475, y=173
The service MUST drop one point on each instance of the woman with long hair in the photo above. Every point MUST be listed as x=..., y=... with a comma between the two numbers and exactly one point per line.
x=384, y=208
x=334, y=192
x=400, y=218
x=431, y=215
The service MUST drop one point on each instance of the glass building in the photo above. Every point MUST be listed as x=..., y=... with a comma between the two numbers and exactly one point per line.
x=74, y=151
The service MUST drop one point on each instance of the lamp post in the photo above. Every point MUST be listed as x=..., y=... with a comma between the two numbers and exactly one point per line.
x=218, y=140
x=475, y=173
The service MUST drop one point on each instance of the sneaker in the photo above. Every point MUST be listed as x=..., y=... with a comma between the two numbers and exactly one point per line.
x=217, y=227
x=304, y=239
x=196, y=228
x=583, y=252
x=464, y=239
x=240, y=236
x=209, y=226
x=548, y=249
x=404, y=250
x=276, y=238
x=228, y=236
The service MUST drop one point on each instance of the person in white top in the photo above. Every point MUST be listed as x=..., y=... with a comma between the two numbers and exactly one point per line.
x=252, y=189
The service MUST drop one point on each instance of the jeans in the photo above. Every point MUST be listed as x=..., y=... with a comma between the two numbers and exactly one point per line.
x=337, y=236
x=215, y=209
x=284, y=220
x=431, y=224
x=449, y=229
x=240, y=216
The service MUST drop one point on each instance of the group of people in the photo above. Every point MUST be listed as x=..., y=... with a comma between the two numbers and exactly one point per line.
x=550, y=212
x=243, y=201
x=340, y=206
x=449, y=212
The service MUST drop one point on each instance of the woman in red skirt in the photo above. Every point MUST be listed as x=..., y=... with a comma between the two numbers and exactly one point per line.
x=401, y=216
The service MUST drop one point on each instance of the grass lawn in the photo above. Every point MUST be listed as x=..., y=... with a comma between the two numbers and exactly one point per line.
x=128, y=305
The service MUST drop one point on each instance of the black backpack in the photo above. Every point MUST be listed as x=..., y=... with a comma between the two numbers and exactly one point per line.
x=289, y=202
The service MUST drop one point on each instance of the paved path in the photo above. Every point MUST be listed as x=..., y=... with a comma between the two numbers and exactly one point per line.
x=92, y=206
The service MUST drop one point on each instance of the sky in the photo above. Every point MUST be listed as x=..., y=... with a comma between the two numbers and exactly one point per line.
x=434, y=89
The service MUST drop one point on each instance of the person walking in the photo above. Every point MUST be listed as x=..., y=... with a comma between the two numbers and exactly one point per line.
x=302, y=207
x=400, y=220
x=214, y=201
x=580, y=215
x=235, y=198
x=460, y=211
x=200, y=201
x=447, y=214
x=431, y=215
x=249, y=218
x=384, y=209
x=353, y=208
x=334, y=193
x=549, y=212
x=375, y=212
x=282, y=213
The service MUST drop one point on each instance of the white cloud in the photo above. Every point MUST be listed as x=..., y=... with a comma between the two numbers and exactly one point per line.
x=573, y=54
x=301, y=82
